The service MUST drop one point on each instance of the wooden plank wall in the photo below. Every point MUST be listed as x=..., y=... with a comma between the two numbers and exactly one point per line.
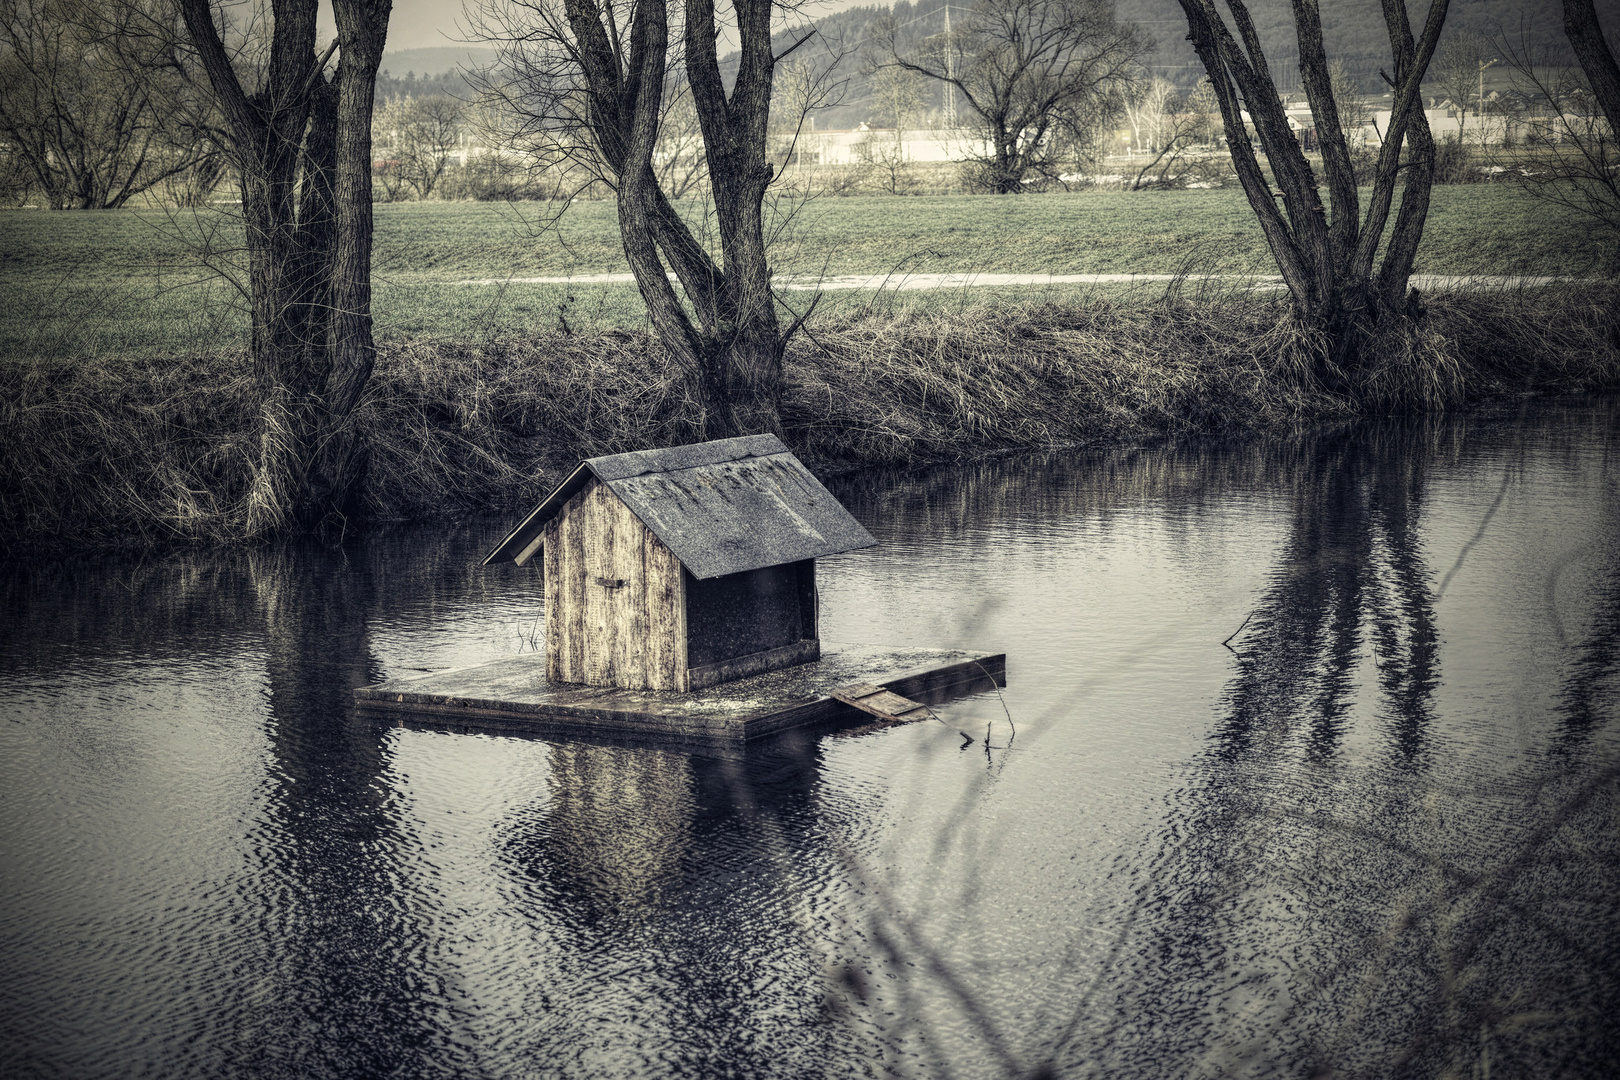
x=615, y=601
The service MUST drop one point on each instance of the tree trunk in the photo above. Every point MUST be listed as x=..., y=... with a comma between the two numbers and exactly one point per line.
x=351, y=352
x=1325, y=252
x=732, y=356
x=1596, y=58
x=999, y=165
x=749, y=350
x=641, y=223
x=302, y=148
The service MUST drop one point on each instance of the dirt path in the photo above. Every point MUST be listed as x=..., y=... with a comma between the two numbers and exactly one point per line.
x=908, y=282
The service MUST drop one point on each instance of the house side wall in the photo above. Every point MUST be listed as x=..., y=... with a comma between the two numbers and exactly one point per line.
x=562, y=564
x=615, y=601
x=664, y=654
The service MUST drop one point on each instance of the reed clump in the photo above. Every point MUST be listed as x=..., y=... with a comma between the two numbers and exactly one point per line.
x=107, y=453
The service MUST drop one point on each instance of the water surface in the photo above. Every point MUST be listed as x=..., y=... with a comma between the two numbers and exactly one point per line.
x=1374, y=833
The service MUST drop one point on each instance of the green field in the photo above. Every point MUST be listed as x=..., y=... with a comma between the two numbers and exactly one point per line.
x=129, y=282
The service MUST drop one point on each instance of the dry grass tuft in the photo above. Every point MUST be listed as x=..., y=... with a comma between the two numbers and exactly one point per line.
x=104, y=452
x=456, y=427
x=113, y=453
x=951, y=386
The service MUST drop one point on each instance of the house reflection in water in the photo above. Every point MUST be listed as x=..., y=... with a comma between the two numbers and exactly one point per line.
x=625, y=828
x=617, y=825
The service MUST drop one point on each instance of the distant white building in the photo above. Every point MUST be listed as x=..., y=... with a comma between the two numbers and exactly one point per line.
x=862, y=144
x=1446, y=121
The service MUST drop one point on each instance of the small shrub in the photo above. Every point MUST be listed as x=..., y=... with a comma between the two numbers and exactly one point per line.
x=1455, y=163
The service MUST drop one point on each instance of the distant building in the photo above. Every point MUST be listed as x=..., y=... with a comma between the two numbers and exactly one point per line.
x=863, y=144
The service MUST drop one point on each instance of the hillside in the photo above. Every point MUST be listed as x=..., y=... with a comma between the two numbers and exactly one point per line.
x=426, y=63
x=1353, y=30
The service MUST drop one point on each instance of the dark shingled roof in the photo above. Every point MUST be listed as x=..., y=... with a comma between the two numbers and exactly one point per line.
x=722, y=507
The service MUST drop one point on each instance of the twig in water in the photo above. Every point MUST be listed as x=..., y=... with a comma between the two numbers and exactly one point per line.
x=1507, y=477
x=997, y=688
x=1236, y=632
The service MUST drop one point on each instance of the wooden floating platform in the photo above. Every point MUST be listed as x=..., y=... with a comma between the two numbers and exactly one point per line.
x=514, y=693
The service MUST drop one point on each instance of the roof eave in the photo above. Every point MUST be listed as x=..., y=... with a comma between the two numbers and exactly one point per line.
x=519, y=544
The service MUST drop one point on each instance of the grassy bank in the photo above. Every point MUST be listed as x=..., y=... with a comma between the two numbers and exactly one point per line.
x=111, y=451
x=123, y=284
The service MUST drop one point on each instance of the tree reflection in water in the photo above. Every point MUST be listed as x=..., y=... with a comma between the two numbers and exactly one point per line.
x=1351, y=573
x=347, y=988
x=1596, y=668
x=1313, y=915
x=1363, y=869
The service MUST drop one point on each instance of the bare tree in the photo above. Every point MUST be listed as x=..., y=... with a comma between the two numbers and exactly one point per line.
x=1355, y=115
x=1459, y=68
x=1032, y=73
x=897, y=99
x=1577, y=163
x=1168, y=126
x=1596, y=58
x=422, y=134
x=803, y=84
x=16, y=178
x=86, y=101
x=1326, y=255
x=1145, y=103
x=897, y=102
x=301, y=144
x=587, y=83
x=884, y=162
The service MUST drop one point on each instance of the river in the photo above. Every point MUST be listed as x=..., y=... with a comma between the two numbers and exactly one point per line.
x=1308, y=764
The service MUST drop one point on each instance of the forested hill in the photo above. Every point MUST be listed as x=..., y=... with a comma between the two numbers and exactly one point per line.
x=414, y=72
x=1353, y=30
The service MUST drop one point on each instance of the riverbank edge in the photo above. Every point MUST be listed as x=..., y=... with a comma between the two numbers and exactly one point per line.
x=104, y=453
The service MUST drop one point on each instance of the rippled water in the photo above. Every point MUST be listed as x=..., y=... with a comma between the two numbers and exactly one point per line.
x=1379, y=834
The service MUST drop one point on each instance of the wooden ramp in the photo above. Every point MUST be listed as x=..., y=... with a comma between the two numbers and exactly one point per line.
x=888, y=683
x=883, y=703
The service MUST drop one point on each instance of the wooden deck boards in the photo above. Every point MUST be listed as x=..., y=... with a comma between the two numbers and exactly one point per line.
x=883, y=703
x=514, y=692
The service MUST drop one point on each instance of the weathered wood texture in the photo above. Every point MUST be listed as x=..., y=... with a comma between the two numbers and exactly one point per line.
x=621, y=611
x=883, y=703
x=740, y=667
x=615, y=598
x=510, y=694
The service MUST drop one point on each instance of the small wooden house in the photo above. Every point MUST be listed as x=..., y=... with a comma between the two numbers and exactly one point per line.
x=678, y=569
